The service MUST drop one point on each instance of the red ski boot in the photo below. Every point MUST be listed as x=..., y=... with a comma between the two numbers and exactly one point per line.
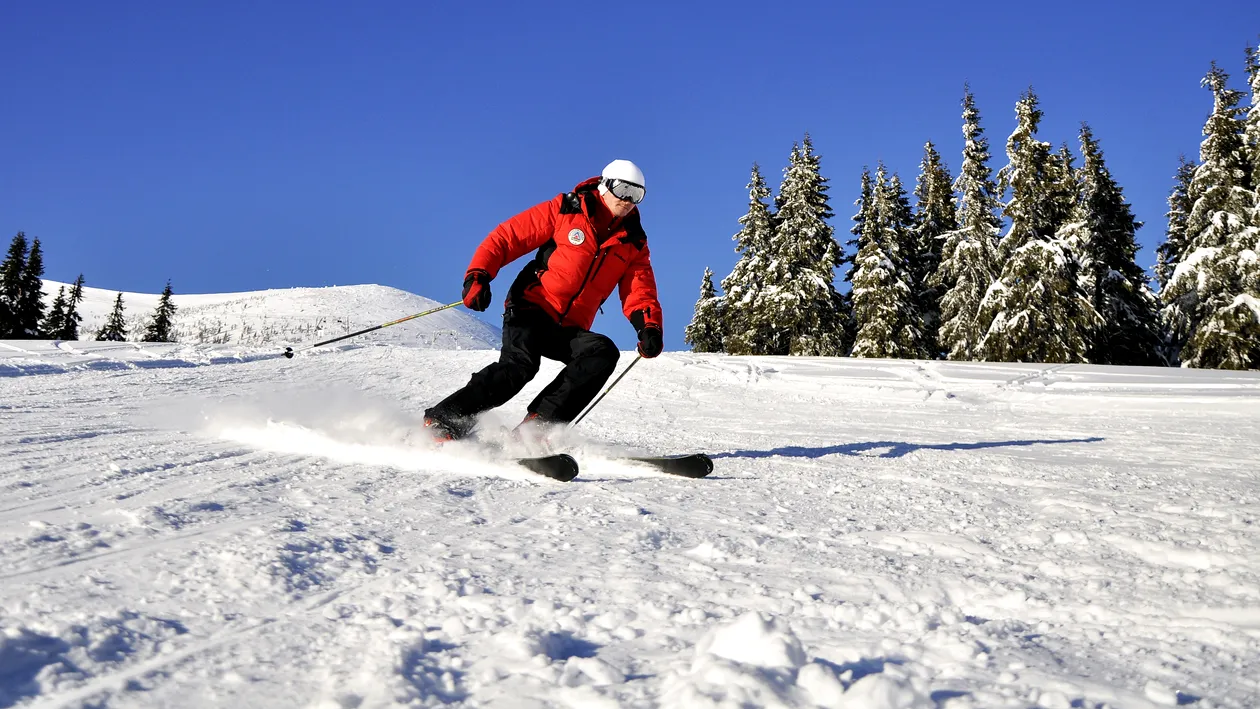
x=534, y=432
x=442, y=430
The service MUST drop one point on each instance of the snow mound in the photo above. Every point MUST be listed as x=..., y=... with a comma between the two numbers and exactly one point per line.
x=754, y=640
x=757, y=660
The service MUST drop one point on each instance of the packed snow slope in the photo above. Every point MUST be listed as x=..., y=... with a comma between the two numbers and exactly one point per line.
x=208, y=526
x=287, y=316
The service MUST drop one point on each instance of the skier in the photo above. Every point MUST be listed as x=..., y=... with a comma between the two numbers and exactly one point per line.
x=588, y=242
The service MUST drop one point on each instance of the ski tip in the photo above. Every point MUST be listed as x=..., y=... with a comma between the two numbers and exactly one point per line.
x=695, y=465
x=562, y=466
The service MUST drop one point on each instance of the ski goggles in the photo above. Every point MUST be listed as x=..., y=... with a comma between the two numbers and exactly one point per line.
x=626, y=191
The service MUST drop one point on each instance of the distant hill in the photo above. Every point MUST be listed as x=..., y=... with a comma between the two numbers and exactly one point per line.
x=290, y=316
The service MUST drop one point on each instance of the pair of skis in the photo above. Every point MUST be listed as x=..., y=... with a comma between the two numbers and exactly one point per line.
x=564, y=467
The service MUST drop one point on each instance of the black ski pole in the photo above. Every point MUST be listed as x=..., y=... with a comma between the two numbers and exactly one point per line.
x=599, y=398
x=289, y=351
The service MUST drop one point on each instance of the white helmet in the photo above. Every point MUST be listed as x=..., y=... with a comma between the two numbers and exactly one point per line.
x=623, y=171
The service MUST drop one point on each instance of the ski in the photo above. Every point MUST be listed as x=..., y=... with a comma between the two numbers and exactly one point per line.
x=695, y=465
x=560, y=466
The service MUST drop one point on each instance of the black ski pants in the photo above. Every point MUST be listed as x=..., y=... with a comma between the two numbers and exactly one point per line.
x=529, y=334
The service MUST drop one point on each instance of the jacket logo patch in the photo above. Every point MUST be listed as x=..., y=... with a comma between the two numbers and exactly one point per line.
x=576, y=237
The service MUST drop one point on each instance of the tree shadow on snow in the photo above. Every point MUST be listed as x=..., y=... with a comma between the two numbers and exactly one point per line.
x=892, y=449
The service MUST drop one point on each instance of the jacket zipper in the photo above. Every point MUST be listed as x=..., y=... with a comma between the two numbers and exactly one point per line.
x=590, y=271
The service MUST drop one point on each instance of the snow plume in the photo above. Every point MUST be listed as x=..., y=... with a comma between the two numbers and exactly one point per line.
x=333, y=422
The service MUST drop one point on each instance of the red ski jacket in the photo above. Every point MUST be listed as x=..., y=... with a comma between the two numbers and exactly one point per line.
x=580, y=259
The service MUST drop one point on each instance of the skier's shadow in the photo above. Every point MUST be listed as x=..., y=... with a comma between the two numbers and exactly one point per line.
x=893, y=449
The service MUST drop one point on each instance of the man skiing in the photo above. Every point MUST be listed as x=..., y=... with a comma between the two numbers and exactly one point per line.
x=588, y=242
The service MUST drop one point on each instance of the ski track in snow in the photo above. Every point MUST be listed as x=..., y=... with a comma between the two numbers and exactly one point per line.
x=199, y=526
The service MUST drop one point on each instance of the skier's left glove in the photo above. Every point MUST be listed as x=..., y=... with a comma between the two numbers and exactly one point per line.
x=477, y=290
x=650, y=342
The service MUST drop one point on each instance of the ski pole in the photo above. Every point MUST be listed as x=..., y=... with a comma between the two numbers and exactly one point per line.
x=599, y=398
x=289, y=351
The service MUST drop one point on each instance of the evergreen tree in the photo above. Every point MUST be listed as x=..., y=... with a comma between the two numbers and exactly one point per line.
x=11, y=282
x=704, y=334
x=803, y=308
x=1102, y=230
x=1037, y=311
x=1221, y=200
x=1064, y=187
x=746, y=282
x=1208, y=301
x=72, y=319
x=1251, y=132
x=969, y=257
x=863, y=204
x=884, y=297
x=115, y=328
x=849, y=258
x=1029, y=175
x=162, y=328
x=29, y=307
x=1170, y=253
x=934, y=217
x=55, y=322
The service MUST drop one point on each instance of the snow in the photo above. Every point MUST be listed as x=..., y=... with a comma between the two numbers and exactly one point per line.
x=1248, y=301
x=209, y=525
x=289, y=316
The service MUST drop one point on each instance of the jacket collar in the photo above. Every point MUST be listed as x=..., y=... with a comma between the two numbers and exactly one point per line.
x=588, y=191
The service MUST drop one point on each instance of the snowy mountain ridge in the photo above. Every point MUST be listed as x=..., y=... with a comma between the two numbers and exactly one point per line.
x=290, y=316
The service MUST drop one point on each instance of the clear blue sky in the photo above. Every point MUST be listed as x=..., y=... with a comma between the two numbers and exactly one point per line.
x=235, y=145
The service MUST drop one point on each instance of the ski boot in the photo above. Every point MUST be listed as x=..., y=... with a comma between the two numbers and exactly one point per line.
x=534, y=433
x=443, y=429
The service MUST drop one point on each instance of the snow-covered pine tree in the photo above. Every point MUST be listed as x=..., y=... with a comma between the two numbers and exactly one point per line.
x=969, y=254
x=863, y=204
x=29, y=308
x=704, y=334
x=1029, y=175
x=70, y=322
x=1251, y=131
x=802, y=308
x=1064, y=186
x=1102, y=232
x=1210, y=301
x=162, y=327
x=848, y=257
x=55, y=321
x=115, y=328
x=934, y=217
x=1037, y=310
x=1219, y=189
x=743, y=287
x=884, y=298
x=1170, y=253
x=11, y=270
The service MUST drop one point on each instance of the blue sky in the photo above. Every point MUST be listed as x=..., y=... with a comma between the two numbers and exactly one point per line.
x=242, y=145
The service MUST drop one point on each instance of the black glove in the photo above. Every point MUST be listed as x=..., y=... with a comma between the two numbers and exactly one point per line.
x=477, y=290
x=650, y=342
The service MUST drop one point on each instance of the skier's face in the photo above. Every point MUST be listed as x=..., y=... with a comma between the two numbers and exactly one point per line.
x=618, y=207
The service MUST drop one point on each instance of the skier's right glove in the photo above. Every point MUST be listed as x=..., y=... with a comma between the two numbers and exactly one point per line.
x=477, y=290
